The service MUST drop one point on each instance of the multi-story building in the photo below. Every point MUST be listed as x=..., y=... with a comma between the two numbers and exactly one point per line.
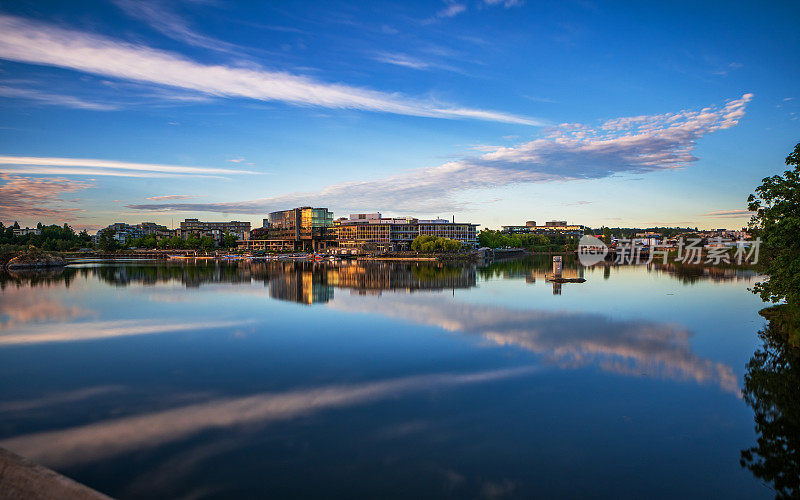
x=215, y=230
x=555, y=226
x=157, y=230
x=27, y=231
x=123, y=231
x=371, y=232
x=298, y=229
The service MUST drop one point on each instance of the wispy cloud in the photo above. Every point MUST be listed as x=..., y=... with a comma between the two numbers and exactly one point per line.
x=631, y=145
x=728, y=213
x=399, y=59
x=505, y=3
x=31, y=197
x=170, y=24
x=45, y=44
x=451, y=10
x=89, y=166
x=171, y=197
x=53, y=99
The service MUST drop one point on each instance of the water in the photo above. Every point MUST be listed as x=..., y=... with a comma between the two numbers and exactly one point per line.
x=293, y=380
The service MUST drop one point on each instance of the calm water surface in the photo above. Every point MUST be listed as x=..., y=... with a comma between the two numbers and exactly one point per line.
x=292, y=380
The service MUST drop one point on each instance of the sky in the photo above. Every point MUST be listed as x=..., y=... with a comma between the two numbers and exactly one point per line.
x=496, y=112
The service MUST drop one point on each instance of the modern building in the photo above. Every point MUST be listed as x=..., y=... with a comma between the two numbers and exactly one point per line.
x=123, y=231
x=305, y=229
x=554, y=226
x=215, y=230
x=372, y=232
x=27, y=231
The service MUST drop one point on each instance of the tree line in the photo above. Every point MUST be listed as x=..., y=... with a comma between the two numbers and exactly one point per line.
x=64, y=239
x=536, y=242
x=50, y=238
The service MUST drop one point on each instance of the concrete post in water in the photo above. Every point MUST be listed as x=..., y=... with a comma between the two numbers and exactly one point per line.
x=557, y=266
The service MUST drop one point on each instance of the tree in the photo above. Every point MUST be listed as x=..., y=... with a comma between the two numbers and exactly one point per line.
x=429, y=244
x=107, y=242
x=228, y=240
x=777, y=222
x=206, y=243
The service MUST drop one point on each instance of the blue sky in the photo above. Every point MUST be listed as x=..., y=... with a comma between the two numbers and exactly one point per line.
x=497, y=112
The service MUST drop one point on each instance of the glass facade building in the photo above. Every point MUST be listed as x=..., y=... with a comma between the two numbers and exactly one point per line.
x=298, y=229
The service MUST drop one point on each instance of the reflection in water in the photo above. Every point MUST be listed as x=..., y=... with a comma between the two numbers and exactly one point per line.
x=106, y=439
x=302, y=282
x=94, y=330
x=635, y=348
x=144, y=407
x=693, y=274
x=21, y=305
x=772, y=390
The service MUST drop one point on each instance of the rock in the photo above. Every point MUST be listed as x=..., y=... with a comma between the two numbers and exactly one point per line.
x=35, y=258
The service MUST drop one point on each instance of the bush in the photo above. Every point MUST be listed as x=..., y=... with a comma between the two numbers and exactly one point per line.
x=430, y=244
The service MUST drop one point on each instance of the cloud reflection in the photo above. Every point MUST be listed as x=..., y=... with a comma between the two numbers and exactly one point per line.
x=626, y=347
x=27, y=305
x=105, y=439
x=93, y=330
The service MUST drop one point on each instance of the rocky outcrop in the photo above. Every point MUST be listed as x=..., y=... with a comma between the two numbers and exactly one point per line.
x=35, y=259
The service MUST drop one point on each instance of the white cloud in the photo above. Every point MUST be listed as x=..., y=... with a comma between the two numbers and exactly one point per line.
x=505, y=3
x=53, y=99
x=169, y=24
x=452, y=10
x=89, y=166
x=401, y=60
x=567, y=152
x=39, y=43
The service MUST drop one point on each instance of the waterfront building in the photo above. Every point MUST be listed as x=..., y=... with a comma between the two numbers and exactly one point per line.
x=215, y=230
x=550, y=227
x=298, y=229
x=123, y=231
x=372, y=232
x=27, y=231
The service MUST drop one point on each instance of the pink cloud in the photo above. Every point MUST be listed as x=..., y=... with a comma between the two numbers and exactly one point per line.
x=33, y=197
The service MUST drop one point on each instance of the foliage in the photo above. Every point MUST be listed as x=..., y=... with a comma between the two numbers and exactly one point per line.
x=607, y=236
x=430, y=244
x=536, y=242
x=770, y=388
x=107, y=242
x=228, y=241
x=777, y=222
x=51, y=238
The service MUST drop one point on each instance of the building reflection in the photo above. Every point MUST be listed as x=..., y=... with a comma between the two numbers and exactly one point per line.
x=301, y=282
x=298, y=283
x=542, y=275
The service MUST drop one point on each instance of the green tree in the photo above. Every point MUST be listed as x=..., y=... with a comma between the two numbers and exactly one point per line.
x=228, y=240
x=206, y=243
x=107, y=242
x=606, y=236
x=776, y=204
